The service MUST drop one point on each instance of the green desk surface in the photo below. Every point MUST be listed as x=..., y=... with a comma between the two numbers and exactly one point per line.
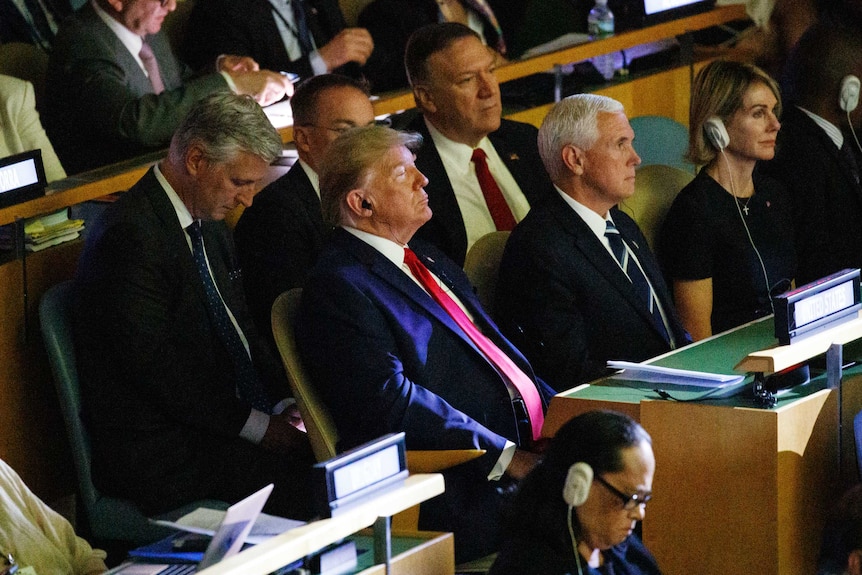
x=717, y=354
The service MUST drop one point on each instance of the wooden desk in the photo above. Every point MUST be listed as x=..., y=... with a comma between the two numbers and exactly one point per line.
x=737, y=489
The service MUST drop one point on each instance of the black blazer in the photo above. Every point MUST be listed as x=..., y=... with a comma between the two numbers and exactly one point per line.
x=248, y=28
x=515, y=142
x=826, y=200
x=158, y=386
x=278, y=240
x=564, y=300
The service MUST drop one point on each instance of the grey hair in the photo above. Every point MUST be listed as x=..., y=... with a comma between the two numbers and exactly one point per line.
x=224, y=125
x=572, y=121
x=349, y=160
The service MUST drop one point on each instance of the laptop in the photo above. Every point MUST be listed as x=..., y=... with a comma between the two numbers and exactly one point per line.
x=226, y=542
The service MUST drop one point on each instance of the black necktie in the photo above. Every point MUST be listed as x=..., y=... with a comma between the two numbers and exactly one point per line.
x=850, y=158
x=302, y=33
x=40, y=28
x=248, y=384
x=637, y=277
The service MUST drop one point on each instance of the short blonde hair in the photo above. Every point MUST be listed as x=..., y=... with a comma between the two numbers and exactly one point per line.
x=348, y=162
x=718, y=90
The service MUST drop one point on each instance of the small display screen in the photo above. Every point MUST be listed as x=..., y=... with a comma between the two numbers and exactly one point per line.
x=366, y=471
x=18, y=175
x=823, y=304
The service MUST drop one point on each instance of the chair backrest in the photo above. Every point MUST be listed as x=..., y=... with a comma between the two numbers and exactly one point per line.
x=656, y=186
x=55, y=319
x=318, y=423
x=857, y=434
x=482, y=265
x=108, y=518
x=661, y=140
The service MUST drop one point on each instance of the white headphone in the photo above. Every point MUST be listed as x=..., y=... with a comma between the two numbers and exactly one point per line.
x=576, y=489
x=716, y=133
x=848, y=95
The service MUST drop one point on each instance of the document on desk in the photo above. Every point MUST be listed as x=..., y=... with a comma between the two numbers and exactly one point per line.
x=205, y=521
x=670, y=376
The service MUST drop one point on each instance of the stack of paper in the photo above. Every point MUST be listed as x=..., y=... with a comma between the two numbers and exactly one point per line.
x=44, y=231
x=717, y=384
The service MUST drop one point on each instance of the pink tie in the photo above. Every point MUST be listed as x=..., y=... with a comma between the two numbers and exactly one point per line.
x=500, y=360
x=500, y=212
x=152, y=68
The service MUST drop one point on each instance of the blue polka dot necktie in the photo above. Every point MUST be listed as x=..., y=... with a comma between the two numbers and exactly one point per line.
x=248, y=384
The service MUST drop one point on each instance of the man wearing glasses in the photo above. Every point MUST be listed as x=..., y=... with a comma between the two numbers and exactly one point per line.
x=115, y=89
x=279, y=237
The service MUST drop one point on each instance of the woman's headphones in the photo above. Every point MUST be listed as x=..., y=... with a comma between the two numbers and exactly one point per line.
x=848, y=95
x=716, y=133
x=576, y=489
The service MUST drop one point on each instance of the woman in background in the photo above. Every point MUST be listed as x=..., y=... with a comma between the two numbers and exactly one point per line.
x=726, y=242
x=575, y=513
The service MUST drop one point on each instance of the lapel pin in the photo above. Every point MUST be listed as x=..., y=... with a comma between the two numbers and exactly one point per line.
x=514, y=157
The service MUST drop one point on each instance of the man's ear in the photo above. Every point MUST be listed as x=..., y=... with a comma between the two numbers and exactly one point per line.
x=195, y=160
x=573, y=158
x=300, y=138
x=115, y=5
x=356, y=203
x=424, y=99
x=854, y=562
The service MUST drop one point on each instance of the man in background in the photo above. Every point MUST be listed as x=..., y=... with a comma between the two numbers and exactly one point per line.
x=115, y=89
x=485, y=173
x=279, y=238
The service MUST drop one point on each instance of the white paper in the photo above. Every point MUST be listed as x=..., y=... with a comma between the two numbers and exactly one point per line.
x=668, y=375
x=206, y=521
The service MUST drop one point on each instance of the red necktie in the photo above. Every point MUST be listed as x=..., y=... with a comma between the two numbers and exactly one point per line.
x=152, y=68
x=500, y=212
x=495, y=355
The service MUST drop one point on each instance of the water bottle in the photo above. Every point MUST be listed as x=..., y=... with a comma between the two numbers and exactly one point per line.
x=600, y=24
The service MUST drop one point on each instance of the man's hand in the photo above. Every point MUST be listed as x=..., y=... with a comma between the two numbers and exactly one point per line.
x=522, y=463
x=350, y=45
x=228, y=63
x=264, y=86
x=283, y=436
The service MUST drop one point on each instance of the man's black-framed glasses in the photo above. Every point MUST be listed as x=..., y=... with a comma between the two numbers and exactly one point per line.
x=629, y=501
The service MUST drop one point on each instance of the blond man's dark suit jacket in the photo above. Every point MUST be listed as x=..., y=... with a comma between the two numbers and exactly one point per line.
x=100, y=104
x=158, y=385
x=516, y=145
x=386, y=357
x=563, y=299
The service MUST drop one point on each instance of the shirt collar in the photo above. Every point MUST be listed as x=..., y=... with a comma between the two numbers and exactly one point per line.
x=390, y=250
x=180, y=208
x=833, y=131
x=130, y=40
x=312, y=176
x=594, y=221
x=455, y=153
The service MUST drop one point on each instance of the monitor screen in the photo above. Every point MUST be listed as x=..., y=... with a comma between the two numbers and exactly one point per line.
x=22, y=178
x=656, y=11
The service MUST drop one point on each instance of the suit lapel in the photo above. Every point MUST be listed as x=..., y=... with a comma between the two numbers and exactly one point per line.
x=301, y=186
x=826, y=142
x=586, y=242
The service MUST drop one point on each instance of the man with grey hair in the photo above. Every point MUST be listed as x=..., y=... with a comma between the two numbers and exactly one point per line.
x=578, y=285
x=395, y=339
x=182, y=399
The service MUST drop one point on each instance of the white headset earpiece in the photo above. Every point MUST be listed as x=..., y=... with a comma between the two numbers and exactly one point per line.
x=578, y=483
x=848, y=96
x=716, y=132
